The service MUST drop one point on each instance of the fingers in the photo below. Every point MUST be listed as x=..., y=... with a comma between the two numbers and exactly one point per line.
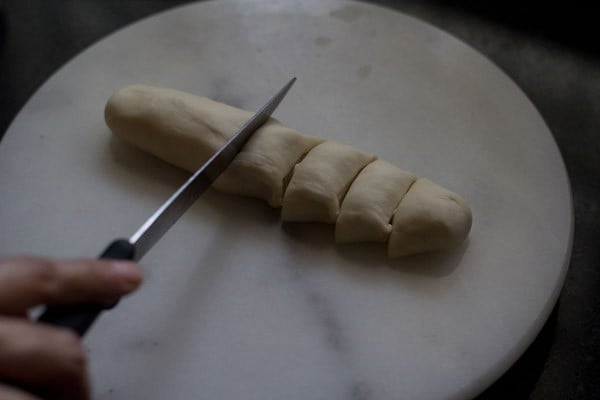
x=27, y=282
x=9, y=393
x=52, y=361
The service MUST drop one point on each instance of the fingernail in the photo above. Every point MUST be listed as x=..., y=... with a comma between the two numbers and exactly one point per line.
x=129, y=274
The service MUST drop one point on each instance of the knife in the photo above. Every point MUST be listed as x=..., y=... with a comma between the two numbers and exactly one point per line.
x=80, y=317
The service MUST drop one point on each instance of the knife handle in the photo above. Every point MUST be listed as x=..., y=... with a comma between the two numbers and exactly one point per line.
x=79, y=317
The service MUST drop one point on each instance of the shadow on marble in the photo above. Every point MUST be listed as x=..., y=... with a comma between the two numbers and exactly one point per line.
x=317, y=237
x=437, y=264
x=374, y=255
x=190, y=312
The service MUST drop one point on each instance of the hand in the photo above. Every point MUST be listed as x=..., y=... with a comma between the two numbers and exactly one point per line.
x=50, y=360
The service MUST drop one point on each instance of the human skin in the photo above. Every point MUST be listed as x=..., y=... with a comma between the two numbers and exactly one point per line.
x=50, y=361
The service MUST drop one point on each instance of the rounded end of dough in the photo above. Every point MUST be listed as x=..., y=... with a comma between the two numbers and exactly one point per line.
x=124, y=104
x=430, y=218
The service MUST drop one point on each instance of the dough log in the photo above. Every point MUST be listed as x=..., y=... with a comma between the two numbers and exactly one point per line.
x=310, y=178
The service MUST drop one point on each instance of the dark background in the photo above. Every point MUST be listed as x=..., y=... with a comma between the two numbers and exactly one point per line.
x=550, y=51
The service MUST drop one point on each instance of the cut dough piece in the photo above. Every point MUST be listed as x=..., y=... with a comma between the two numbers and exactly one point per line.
x=367, y=209
x=267, y=159
x=429, y=218
x=320, y=182
x=186, y=130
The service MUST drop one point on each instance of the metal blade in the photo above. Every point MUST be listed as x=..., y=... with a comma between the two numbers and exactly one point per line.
x=160, y=222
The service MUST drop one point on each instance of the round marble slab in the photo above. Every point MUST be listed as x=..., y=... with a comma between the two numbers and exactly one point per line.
x=237, y=305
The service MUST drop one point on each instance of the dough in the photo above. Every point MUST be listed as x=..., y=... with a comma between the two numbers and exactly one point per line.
x=329, y=181
x=320, y=182
x=367, y=209
x=429, y=218
x=180, y=128
x=262, y=167
x=185, y=130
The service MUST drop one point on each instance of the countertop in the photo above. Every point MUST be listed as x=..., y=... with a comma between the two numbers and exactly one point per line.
x=555, y=63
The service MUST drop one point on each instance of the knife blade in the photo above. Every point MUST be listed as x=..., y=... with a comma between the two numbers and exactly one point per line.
x=80, y=317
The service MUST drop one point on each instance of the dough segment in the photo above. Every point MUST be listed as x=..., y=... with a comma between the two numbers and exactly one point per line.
x=320, y=182
x=429, y=218
x=261, y=168
x=367, y=209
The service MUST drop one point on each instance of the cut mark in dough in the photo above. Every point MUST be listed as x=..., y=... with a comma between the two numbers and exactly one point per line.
x=320, y=182
x=367, y=210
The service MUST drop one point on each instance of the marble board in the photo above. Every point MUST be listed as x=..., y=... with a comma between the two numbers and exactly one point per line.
x=237, y=304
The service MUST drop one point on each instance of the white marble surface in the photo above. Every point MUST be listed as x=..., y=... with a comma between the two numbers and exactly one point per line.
x=236, y=305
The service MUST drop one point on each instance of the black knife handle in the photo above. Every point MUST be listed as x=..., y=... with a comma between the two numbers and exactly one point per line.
x=79, y=317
